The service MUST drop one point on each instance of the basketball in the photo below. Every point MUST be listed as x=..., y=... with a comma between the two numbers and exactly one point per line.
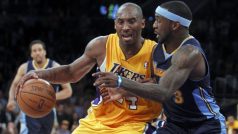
x=36, y=98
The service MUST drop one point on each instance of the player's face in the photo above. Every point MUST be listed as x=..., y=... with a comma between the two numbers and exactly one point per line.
x=38, y=53
x=162, y=28
x=128, y=26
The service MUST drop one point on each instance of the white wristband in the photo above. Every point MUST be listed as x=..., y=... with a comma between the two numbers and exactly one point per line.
x=119, y=81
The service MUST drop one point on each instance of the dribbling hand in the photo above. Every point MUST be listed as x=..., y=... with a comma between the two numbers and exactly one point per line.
x=30, y=75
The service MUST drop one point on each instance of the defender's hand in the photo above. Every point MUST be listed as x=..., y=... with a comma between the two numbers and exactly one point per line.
x=106, y=79
x=111, y=94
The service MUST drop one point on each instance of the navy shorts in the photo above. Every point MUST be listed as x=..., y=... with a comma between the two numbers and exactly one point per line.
x=211, y=126
x=40, y=125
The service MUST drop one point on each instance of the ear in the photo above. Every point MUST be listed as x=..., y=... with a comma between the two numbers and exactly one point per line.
x=175, y=25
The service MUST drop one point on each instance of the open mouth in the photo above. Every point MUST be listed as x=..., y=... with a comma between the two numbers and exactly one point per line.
x=127, y=37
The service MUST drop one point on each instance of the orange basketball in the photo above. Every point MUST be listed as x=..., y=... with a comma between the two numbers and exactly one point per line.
x=36, y=98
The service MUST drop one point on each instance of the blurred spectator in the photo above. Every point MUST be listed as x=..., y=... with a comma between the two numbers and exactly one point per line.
x=232, y=125
x=3, y=116
x=75, y=125
x=6, y=119
x=64, y=127
x=11, y=128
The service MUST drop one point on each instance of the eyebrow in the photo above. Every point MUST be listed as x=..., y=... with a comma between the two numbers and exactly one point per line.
x=127, y=18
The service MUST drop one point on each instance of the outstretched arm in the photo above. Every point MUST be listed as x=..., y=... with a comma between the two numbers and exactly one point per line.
x=183, y=63
x=68, y=73
x=110, y=94
x=74, y=71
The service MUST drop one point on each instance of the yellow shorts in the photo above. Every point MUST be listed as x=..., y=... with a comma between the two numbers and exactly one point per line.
x=95, y=127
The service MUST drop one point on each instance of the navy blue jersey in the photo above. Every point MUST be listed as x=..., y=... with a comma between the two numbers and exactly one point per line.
x=194, y=100
x=42, y=125
x=49, y=64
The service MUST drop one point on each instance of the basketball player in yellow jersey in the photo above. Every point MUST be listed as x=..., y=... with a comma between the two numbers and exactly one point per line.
x=125, y=53
x=130, y=112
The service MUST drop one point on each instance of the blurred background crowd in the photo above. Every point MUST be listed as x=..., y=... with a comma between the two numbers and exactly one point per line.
x=66, y=26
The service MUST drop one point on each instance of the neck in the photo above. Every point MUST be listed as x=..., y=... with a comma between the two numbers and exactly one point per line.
x=175, y=41
x=130, y=50
x=41, y=64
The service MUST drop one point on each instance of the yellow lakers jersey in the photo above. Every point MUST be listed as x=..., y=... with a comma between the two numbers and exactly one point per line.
x=127, y=109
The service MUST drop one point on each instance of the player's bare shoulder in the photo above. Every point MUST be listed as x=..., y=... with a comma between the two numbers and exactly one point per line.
x=187, y=56
x=97, y=43
x=22, y=69
x=96, y=47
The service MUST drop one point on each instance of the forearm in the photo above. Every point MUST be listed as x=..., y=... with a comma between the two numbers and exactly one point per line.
x=57, y=75
x=146, y=90
x=11, y=93
x=128, y=94
x=63, y=94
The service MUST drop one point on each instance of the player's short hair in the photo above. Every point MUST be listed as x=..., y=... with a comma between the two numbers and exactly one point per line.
x=37, y=42
x=179, y=8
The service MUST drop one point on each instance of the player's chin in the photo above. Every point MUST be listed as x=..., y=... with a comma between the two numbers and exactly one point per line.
x=38, y=60
x=127, y=41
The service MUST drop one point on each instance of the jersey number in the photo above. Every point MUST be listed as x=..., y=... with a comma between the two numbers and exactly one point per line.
x=178, y=97
x=132, y=101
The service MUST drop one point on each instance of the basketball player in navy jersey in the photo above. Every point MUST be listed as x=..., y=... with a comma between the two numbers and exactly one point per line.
x=39, y=61
x=182, y=73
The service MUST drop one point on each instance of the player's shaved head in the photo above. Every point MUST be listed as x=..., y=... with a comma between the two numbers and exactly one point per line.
x=130, y=7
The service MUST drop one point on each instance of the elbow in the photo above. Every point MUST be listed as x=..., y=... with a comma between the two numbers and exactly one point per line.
x=160, y=98
x=69, y=93
x=163, y=96
x=167, y=95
